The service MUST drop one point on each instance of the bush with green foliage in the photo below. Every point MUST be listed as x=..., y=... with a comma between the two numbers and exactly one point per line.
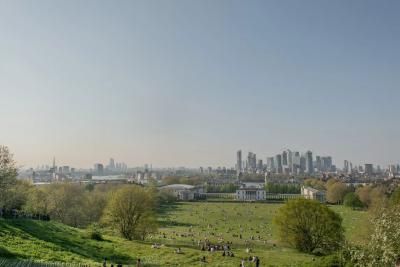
x=309, y=226
x=94, y=232
x=353, y=201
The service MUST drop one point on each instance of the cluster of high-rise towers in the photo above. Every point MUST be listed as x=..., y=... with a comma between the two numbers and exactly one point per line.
x=287, y=162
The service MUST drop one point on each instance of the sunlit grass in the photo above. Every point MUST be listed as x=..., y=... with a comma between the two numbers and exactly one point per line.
x=183, y=225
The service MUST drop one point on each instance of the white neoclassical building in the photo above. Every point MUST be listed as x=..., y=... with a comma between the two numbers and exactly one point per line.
x=251, y=192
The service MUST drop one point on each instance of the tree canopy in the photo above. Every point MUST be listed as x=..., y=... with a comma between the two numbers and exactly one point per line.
x=309, y=226
x=336, y=191
x=353, y=201
x=131, y=211
x=8, y=175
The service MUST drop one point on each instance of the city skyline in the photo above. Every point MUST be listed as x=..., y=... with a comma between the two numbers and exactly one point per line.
x=189, y=83
x=254, y=159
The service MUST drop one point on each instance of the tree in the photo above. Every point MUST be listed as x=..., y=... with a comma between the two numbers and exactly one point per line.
x=314, y=183
x=94, y=203
x=309, y=226
x=8, y=175
x=373, y=197
x=336, y=192
x=128, y=208
x=351, y=200
x=37, y=201
x=66, y=202
x=147, y=225
x=384, y=246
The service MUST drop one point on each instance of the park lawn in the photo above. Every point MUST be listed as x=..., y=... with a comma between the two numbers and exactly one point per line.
x=190, y=222
x=183, y=224
x=357, y=224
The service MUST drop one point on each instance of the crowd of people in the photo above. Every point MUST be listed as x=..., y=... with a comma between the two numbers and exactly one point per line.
x=18, y=214
x=138, y=264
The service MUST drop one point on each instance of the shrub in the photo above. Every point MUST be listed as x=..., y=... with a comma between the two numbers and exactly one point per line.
x=94, y=232
x=353, y=201
x=309, y=226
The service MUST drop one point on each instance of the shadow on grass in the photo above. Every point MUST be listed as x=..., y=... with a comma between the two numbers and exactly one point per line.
x=165, y=209
x=4, y=253
x=71, y=240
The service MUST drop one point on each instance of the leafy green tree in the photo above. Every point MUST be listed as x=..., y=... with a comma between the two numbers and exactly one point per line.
x=66, y=202
x=336, y=192
x=8, y=176
x=147, y=225
x=351, y=200
x=128, y=208
x=309, y=226
x=37, y=201
x=93, y=205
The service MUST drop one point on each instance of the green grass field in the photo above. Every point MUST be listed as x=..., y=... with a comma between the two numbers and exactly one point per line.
x=182, y=225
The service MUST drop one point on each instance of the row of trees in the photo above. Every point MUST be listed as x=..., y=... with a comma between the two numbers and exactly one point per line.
x=282, y=188
x=130, y=209
x=337, y=192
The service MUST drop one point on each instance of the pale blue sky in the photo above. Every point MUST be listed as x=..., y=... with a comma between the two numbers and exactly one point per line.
x=178, y=83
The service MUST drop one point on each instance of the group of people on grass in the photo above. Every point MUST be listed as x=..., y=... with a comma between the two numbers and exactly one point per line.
x=252, y=259
x=17, y=214
x=138, y=264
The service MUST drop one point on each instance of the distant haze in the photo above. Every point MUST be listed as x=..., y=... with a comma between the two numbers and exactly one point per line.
x=188, y=83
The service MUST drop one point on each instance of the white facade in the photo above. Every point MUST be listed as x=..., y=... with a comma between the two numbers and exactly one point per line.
x=183, y=191
x=250, y=194
x=312, y=193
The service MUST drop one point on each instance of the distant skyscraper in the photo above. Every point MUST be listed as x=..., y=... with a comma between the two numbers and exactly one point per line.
x=290, y=160
x=252, y=162
x=239, y=162
x=111, y=166
x=99, y=168
x=326, y=163
x=284, y=158
x=271, y=164
x=260, y=166
x=309, y=162
x=303, y=163
x=346, y=166
x=278, y=162
x=318, y=163
x=369, y=169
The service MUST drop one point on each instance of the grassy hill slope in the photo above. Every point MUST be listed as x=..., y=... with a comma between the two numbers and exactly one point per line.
x=181, y=226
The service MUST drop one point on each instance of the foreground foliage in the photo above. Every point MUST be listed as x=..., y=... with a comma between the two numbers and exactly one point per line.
x=131, y=211
x=309, y=226
x=384, y=246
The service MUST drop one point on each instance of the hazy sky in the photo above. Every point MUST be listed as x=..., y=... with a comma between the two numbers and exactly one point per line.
x=188, y=82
